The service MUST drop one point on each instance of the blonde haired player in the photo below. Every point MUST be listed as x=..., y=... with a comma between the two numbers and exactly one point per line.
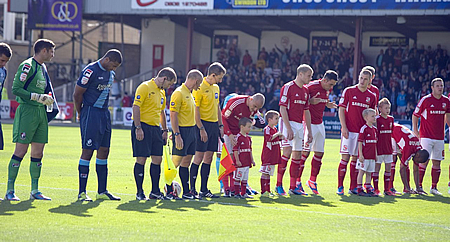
x=385, y=126
x=367, y=152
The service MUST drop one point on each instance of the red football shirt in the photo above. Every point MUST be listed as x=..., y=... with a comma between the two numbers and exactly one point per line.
x=295, y=99
x=408, y=143
x=384, y=128
x=315, y=88
x=368, y=137
x=244, y=149
x=235, y=109
x=271, y=153
x=432, y=112
x=354, y=101
x=375, y=91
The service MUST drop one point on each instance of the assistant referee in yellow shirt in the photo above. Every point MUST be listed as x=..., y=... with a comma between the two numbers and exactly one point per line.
x=182, y=116
x=147, y=138
x=209, y=128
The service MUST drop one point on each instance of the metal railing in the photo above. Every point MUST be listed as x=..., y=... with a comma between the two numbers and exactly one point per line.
x=130, y=84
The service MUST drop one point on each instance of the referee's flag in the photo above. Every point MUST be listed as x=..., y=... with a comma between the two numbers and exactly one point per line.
x=226, y=163
x=170, y=172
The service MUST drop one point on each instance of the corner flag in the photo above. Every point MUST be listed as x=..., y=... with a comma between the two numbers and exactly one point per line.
x=170, y=172
x=226, y=163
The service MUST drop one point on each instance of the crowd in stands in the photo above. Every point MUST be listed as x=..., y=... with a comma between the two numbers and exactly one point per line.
x=403, y=74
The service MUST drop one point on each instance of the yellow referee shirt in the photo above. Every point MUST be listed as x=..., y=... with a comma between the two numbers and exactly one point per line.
x=182, y=102
x=207, y=99
x=152, y=100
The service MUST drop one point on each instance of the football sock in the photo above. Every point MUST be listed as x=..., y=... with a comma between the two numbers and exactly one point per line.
x=391, y=185
x=316, y=163
x=263, y=184
x=101, y=167
x=435, y=173
x=353, y=175
x=359, y=187
x=293, y=171
x=268, y=184
x=13, y=170
x=83, y=173
x=204, y=171
x=375, y=178
x=231, y=179
x=341, y=172
x=184, y=177
x=193, y=175
x=35, y=173
x=226, y=182
x=139, y=176
x=281, y=170
x=302, y=167
x=387, y=181
x=368, y=187
x=155, y=175
x=169, y=188
x=243, y=187
x=422, y=169
x=237, y=187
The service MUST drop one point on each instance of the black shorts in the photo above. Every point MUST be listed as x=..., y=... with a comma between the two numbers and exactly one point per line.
x=212, y=129
x=189, y=142
x=152, y=144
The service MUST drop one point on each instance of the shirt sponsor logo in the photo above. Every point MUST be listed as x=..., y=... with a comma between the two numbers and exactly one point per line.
x=414, y=143
x=385, y=131
x=360, y=104
x=102, y=87
x=245, y=150
x=300, y=101
x=437, y=112
x=100, y=78
x=371, y=141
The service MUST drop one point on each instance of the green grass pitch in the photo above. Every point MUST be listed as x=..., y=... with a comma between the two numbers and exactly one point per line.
x=312, y=218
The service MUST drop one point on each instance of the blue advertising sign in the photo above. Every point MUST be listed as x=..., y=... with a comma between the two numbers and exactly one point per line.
x=55, y=14
x=333, y=4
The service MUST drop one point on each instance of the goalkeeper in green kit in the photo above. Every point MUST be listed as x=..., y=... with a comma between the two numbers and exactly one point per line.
x=33, y=89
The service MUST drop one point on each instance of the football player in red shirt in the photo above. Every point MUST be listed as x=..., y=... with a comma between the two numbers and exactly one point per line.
x=433, y=111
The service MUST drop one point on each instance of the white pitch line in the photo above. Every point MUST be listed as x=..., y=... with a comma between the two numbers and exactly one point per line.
x=284, y=209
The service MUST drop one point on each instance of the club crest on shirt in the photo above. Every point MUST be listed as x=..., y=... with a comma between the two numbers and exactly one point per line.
x=444, y=105
x=306, y=95
x=367, y=99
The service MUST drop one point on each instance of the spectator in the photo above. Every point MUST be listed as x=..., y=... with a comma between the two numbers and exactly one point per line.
x=247, y=59
x=126, y=100
x=401, y=103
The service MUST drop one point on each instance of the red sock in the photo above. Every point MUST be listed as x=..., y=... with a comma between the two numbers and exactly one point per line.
x=367, y=186
x=375, y=177
x=237, y=187
x=263, y=185
x=391, y=184
x=293, y=172
x=387, y=181
x=302, y=167
x=353, y=175
x=281, y=169
x=341, y=172
x=359, y=187
x=243, y=187
x=422, y=169
x=226, y=182
x=435, y=173
x=268, y=185
x=316, y=163
x=232, y=182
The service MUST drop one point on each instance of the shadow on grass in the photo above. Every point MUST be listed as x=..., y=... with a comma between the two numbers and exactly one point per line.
x=431, y=198
x=77, y=208
x=138, y=206
x=184, y=205
x=369, y=201
x=7, y=208
x=300, y=201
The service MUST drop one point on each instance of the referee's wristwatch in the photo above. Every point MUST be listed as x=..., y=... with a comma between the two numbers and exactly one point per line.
x=138, y=127
x=202, y=128
x=221, y=126
x=176, y=134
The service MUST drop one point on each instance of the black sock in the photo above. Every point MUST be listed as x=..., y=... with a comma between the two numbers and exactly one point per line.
x=184, y=177
x=193, y=175
x=102, y=175
x=83, y=172
x=169, y=189
x=206, y=168
x=155, y=173
x=139, y=176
